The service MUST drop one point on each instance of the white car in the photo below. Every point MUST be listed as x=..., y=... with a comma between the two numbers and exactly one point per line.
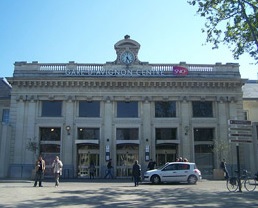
x=174, y=172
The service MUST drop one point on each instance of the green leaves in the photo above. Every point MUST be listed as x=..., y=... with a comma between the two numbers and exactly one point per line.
x=231, y=22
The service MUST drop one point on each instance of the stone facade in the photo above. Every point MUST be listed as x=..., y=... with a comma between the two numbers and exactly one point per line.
x=250, y=105
x=110, y=85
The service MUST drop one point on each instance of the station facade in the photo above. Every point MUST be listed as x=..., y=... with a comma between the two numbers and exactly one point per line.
x=124, y=110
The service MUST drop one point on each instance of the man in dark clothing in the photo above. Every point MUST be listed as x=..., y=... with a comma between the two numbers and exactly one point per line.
x=136, y=173
x=40, y=168
x=109, y=169
x=151, y=165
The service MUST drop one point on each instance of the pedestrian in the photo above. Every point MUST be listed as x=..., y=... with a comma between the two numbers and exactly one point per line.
x=92, y=169
x=151, y=165
x=57, y=166
x=136, y=173
x=109, y=169
x=223, y=166
x=40, y=167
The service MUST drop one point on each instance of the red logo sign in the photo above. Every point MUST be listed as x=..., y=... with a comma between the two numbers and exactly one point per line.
x=179, y=70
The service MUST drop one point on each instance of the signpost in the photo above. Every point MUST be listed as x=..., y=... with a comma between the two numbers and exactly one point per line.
x=240, y=131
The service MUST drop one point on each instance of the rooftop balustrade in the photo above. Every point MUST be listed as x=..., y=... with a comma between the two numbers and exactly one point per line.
x=23, y=69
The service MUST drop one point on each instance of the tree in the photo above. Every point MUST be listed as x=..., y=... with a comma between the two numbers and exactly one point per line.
x=33, y=146
x=221, y=149
x=232, y=22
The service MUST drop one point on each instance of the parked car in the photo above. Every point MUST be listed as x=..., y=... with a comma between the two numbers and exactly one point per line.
x=174, y=172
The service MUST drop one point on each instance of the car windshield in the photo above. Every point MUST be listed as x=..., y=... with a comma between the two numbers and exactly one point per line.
x=161, y=167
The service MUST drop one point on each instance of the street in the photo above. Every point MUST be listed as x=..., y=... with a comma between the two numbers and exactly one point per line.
x=122, y=193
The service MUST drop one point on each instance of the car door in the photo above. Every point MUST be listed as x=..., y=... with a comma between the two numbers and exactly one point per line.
x=169, y=173
x=182, y=172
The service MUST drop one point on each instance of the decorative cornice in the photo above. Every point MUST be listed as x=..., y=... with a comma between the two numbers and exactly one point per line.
x=126, y=98
x=126, y=83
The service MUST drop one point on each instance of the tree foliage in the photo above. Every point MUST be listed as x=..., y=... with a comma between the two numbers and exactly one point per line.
x=232, y=22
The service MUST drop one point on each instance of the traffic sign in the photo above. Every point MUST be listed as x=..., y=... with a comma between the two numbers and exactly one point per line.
x=238, y=127
x=240, y=135
x=241, y=140
x=240, y=131
x=240, y=122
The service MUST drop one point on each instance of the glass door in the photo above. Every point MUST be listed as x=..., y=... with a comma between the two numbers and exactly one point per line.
x=126, y=155
x=85, y=156
x=165, y=153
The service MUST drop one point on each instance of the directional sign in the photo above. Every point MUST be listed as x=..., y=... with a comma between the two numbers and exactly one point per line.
x=240, y=131
x=241, y=140
x=240, y=122
x=237, y=128
x=240, y=134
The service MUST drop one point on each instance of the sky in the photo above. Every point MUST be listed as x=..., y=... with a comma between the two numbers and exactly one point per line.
x=85, y=31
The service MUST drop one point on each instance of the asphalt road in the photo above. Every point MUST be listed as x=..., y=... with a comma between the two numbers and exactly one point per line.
x=122, y=193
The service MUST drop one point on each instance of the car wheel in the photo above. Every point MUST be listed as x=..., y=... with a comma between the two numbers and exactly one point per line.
x=155, y=179
x=192, y=179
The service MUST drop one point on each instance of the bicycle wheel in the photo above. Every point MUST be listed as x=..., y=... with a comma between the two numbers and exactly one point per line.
x=232, y=184
x=250, y=184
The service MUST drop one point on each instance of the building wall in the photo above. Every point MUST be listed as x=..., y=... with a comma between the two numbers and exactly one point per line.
x=26, y=110
x=250, y=106
x=5, y=92
x=110, y=83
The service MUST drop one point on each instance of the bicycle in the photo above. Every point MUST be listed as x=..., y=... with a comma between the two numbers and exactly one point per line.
x=246, y=180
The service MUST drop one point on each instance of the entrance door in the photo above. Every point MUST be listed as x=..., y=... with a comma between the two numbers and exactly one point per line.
x=86, y=155
x=126, y=155
x=165, y=153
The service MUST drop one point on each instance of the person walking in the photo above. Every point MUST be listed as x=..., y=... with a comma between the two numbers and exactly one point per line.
x=151, y=165
x=92, y=170
x=109, y=169
x=57, y=166
x=40, y=167
x=136, y=173
x=223, y=166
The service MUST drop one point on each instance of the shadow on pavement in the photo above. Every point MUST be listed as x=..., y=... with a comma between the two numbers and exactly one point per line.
x=130, y=196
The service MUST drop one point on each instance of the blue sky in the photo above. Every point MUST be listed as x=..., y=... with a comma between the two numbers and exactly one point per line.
x=85, y=31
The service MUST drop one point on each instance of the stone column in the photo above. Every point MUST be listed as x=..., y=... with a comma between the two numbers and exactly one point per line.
x=186, y=146
x=147, y=140
x=107, y=138
x=68, y=148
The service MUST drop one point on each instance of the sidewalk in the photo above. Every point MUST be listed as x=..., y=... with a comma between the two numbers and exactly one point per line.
x=120, y=193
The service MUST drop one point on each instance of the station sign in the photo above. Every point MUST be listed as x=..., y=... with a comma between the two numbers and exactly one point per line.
x=179, y=70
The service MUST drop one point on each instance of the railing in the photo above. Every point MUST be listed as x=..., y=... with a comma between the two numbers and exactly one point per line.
x=34, y=67
x=52, y=67
x=168, y=67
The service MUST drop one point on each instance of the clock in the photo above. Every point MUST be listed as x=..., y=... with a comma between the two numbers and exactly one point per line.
x=127, y=57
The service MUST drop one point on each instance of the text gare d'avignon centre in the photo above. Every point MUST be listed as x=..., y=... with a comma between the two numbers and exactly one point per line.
x=126, y=72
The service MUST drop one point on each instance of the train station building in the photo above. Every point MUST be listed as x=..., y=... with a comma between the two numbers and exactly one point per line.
x=125, y=110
